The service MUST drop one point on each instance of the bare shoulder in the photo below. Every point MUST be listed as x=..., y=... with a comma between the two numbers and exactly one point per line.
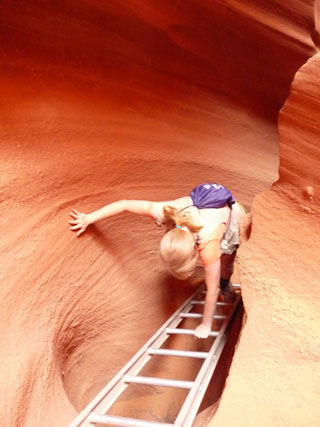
x=243, y=210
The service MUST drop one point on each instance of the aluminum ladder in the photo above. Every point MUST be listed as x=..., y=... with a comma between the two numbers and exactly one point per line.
x=96, y=411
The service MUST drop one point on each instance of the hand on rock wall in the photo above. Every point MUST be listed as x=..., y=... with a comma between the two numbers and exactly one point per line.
x=79, y=223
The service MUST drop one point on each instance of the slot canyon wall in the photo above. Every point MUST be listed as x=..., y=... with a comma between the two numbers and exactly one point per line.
x=275, y=375
x=103, y=100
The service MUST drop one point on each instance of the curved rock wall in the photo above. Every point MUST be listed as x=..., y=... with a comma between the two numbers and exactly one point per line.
x=101, y=101
x=275, y=376
x=299, y=130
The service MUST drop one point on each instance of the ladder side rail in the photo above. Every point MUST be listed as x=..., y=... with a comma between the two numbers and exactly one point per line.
x=193, y=410
x=101, y=395
x=183, y=414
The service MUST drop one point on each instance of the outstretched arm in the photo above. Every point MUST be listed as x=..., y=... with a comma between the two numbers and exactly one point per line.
x=212, y=278
x=80, y=221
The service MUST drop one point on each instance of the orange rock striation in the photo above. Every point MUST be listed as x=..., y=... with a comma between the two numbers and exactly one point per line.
x=275, y=376
x=144, y=99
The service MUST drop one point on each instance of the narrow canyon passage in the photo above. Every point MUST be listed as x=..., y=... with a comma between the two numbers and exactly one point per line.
x=108, y=100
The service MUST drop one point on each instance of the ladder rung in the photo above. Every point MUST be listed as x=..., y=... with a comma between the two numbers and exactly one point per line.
x=123, y=421
x=194, y=302
x=234, y=285
x=181, y=353
x=187, y=332
x=198, y=316
x=157, y=381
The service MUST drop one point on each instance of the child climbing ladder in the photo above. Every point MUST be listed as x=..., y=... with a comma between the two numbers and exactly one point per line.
x=205, y=224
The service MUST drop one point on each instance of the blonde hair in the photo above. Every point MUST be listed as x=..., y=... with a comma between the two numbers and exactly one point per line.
x=177, y=247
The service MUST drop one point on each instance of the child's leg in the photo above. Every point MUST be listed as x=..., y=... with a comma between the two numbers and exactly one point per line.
x=227, y=262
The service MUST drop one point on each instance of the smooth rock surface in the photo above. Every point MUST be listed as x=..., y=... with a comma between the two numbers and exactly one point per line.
x=275, y=375
x=104, y=100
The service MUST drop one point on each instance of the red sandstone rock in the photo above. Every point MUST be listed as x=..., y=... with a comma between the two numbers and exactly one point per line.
x=299, y=131
x=107, y=100
x=275, y=376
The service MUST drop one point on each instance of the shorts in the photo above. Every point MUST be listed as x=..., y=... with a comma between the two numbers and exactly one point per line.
x=231, y=239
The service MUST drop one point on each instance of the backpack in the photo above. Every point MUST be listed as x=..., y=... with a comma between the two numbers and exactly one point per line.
x=211, y=195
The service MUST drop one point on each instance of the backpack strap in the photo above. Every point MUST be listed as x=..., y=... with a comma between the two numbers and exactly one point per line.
x=190, y=206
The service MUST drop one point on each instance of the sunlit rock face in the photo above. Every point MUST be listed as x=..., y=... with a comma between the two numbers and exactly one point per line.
x=143, y=99
x=276, y=368
x=299, y=131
